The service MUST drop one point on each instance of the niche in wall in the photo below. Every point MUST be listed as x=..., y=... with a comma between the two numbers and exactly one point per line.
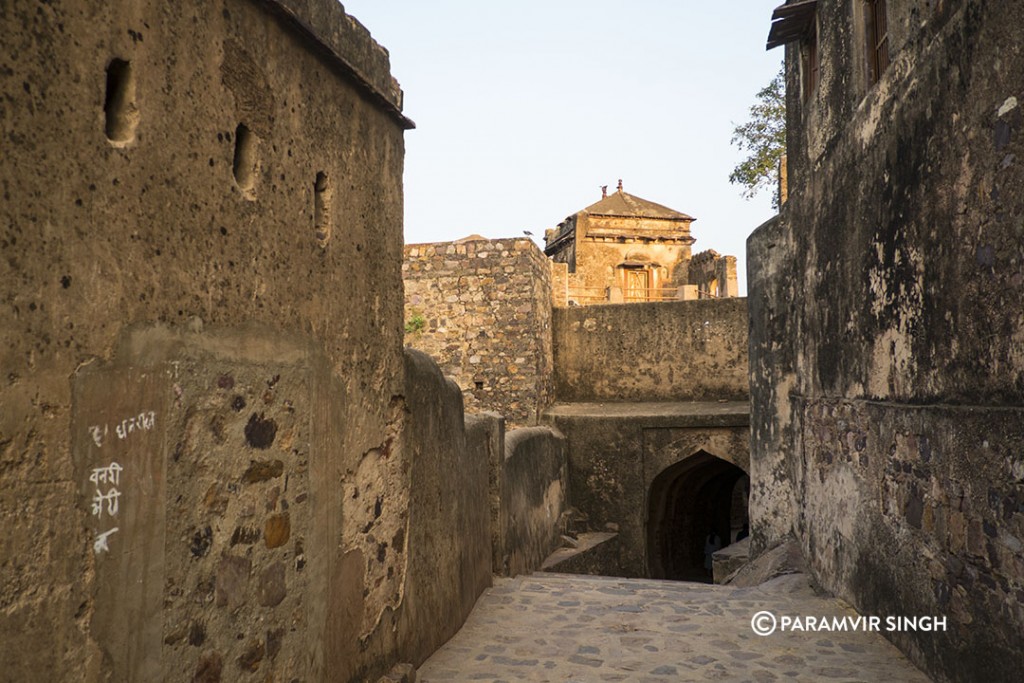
x=322, y=195
x=246, y=162
x=119, y=108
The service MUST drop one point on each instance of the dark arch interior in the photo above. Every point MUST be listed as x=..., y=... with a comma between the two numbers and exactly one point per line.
x=688, y=501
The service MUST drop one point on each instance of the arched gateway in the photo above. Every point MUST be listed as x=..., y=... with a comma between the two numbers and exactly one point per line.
x=687, y=501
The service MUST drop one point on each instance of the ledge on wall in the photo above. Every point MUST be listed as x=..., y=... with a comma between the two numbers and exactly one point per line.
x=597, y=554
x=679, y=413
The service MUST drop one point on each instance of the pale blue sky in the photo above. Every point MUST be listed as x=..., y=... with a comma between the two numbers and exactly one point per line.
x=523, y=110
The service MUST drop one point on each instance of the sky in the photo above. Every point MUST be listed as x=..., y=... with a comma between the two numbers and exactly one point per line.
x=524, y=110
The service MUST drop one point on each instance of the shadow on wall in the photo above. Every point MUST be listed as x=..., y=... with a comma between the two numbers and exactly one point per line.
x=533, y=481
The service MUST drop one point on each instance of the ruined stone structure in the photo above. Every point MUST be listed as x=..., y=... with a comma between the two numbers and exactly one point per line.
x=713, y=275
x=217, y=460
x=627, y=249
x=483, y=309
x=887, y=347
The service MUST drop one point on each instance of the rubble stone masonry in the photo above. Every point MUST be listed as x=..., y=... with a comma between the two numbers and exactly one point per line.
x=483, y=309
x=208, y=430
x=887, y=336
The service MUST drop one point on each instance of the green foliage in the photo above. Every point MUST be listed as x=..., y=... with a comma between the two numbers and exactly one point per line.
x=416, y=323
x=764, y=138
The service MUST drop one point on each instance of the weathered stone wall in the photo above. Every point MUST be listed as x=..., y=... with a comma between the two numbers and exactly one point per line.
x=533, y=499
x=559, y=284
x=771, y=300
x=449, y=533
x=902, y=352
x=192, y=455
x=174, y=168
x=485, y=433
x=483, y=309
x=669, y=351
x=228, y=514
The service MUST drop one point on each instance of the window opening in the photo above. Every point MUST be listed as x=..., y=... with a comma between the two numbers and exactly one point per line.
x=811, y=66
x=878, y=39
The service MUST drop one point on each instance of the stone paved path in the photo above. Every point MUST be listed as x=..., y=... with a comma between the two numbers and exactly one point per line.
x=558, y=627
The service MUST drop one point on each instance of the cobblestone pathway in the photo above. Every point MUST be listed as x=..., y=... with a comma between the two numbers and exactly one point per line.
x=557, y=627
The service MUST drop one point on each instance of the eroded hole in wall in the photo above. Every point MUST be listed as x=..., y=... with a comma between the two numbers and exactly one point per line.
x=322, y=208
x=122, y=115
x=246, y=162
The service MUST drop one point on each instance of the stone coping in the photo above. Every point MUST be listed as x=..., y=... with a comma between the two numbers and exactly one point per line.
x=347, y=44
x=677, y=413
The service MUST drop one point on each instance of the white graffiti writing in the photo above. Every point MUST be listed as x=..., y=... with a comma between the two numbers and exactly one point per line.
x=110, y=498
x=97, y=434
x=107, y=501
x=100, y=544
x=144, y=421
x=111, y=474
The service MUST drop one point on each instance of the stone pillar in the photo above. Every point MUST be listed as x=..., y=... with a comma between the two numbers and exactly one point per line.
x=729, y=282
x=687, y=293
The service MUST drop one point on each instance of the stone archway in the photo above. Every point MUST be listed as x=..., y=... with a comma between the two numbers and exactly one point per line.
x=687, y=501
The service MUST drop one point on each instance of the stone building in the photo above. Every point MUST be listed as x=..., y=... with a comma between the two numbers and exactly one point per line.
x=712, y=275
x=887, y=322
x=627, y=249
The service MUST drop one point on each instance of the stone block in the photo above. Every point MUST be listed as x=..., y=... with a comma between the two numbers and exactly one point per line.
x=728, y=560
x=399, y=673
x=232, y=582
x=277, y=530
x=271, y=588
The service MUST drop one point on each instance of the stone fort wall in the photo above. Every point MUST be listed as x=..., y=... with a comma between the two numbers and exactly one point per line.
x=887, y=356
x=483, y=309
x=658, y=351
x=212, y=447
